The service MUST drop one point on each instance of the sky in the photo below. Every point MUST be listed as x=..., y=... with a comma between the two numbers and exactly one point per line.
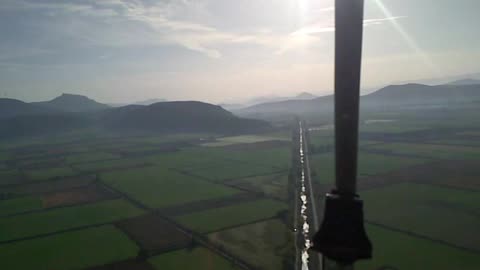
x=221, y=50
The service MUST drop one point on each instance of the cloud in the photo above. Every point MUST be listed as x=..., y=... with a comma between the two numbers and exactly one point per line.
x=123, y=23
x=136, y=23
x=318, y=28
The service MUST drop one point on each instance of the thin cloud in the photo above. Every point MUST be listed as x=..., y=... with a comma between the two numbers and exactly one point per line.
x=319, y=28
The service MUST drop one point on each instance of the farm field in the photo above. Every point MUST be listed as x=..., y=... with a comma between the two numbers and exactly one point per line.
x=89, y=157
x=18, y=205
x=422, y=209
x=420, y=190
x=224, y=141
x=28, y=225
x=398, y=250
x=66, y=190
x=70, y=250
x=159, y=187
x=265, y=245
x=274, y=185
x=231, y=216
x=196, y=258
x=368, y=164
x=47, y=173
x=448, y=152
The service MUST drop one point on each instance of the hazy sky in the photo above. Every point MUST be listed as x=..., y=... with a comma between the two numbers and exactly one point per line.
x=221, y=50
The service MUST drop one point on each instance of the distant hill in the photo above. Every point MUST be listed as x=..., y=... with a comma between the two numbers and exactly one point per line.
x=150, y=101
x=73, y=103
x=464, y=82
x=144, y=102
x=163, y=117
x=12, y=107
x=414, y=94
x=305, y=95
x=393, y=96
x=179, y=116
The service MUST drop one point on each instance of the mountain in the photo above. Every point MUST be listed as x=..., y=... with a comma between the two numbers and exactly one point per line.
x=12, y=107
x=144, y=102
x=389, y=97
x=150, y=101
x=73, y=103
x=464, y=82
x=412, y=94
x=163, y=117
x=179, y=116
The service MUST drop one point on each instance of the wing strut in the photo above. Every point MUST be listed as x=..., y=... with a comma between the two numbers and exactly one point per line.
x=342, y=236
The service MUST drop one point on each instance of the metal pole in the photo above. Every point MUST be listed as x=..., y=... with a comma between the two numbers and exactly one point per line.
x=348, y=58
x=342, y=236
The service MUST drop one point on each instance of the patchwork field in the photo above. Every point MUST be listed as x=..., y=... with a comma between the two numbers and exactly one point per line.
x=396, y=250
x=28, y=225
x=274, y=185
x=154, y=234
x=224, y=141
x=422, y=209
x=70, y=250
x=431, y=150
x=18, y=205
x=323, y=165
x=233, y=192
x=196, y=258
x=159, y=187
x=265, y=245
x=230, y=216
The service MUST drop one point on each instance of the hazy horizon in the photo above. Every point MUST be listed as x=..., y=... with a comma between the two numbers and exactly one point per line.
x=217, y=51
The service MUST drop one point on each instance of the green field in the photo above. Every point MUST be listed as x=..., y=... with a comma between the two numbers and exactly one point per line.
x=264, y=245
x=196, y=258
x=9, y=177
x=404, y=252
x=224, y=141
x=368, y=164
x=432, y=151
x=44, y=174
x=274, y=185
x=159, y=187
x=274, y=157
x=108, y=164
x=71, y=250
x=451, y=215
x=224, y=217
x=65, y=218
x=89, y=157
x=233, y=171
x=18, y=205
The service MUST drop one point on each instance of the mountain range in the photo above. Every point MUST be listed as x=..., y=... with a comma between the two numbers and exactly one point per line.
x=68, y=112
x=390, y=97
x=266, y=99
x=74, y=111
x=72, y=103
